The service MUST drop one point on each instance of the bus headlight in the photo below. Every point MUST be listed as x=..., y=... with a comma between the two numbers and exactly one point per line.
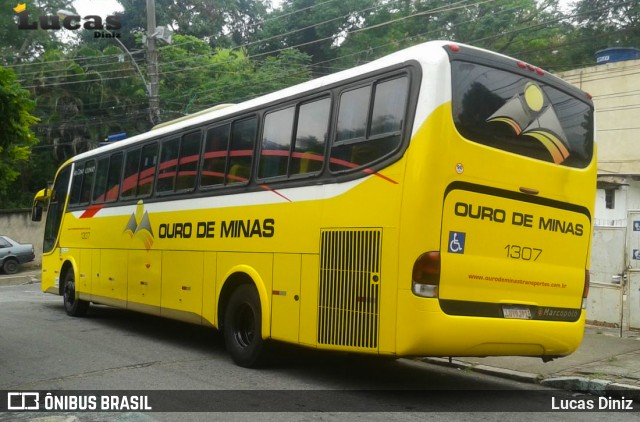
x=426, y=275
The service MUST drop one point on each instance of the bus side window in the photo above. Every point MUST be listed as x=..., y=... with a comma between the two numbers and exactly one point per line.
x=76, y=184
x=87, y=182
x=276, y=143
x=387, y=117
x=243, y=139
x=215, y=156
x=130, y=178
x=168, y=165
x=369, y=130
x=101, y=180
x=113, y=180
x=147, y=169
x=188, y=164
x=311, y=137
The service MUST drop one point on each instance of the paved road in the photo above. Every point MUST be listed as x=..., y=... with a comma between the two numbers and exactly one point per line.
x=42, y=349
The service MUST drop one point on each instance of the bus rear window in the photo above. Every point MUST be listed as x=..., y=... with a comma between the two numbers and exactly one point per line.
x=513, y=113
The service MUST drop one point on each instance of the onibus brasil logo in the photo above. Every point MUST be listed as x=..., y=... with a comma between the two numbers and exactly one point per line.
x=69, y=21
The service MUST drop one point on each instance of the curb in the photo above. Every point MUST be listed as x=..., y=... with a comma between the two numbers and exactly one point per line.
x=597, y=387
x=485, y=369
x=17, y=280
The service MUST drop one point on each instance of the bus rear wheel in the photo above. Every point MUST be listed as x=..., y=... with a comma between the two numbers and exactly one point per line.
x=72, y=305
x=243, y=327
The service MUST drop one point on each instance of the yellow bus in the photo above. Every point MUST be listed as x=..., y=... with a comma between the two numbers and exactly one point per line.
x=435, y=202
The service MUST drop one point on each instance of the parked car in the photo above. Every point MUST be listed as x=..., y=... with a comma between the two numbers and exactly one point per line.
x=12, y=254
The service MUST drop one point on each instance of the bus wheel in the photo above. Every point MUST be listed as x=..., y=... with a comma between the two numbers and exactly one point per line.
x=10, y=266
x=243, y=327
x=72, y=305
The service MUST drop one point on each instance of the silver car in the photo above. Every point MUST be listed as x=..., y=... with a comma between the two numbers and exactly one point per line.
x=13, y=254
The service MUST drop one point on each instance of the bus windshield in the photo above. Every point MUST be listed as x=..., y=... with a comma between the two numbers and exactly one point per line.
x=514, y=113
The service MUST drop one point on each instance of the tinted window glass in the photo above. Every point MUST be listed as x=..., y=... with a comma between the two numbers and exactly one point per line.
x=352, y=116
x=130, y=178
x=56, y=209
x=87, y=181
x=355, y=146
x=276, y=143
x=168, y=165
x=76, y=184
x=113, y=182
x=215, y=156
x=510, y=112
x=188, y=164
x=243, y=138
x=101, y=180
x=388, y=106
x=147, y=170
x=311, y=137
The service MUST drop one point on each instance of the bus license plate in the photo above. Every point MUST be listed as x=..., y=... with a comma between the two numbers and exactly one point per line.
x=513, y=312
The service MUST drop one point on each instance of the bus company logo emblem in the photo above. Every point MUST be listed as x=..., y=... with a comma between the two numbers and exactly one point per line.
x=528, y=115
x=139, y=226
x=456, y=242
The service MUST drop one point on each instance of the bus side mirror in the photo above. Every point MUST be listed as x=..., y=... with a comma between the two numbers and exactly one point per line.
x=36, y=211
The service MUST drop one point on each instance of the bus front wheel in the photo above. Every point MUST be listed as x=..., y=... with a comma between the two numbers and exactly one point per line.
x=243, y=327
x=72, y=305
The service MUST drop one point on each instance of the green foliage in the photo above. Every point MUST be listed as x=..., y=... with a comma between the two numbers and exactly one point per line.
x=194, y=76
x=16, y=136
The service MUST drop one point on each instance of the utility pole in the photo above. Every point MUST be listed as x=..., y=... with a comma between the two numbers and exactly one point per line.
x=152, y=64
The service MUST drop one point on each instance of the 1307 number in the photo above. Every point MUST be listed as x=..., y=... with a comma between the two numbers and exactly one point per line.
x=523, y=252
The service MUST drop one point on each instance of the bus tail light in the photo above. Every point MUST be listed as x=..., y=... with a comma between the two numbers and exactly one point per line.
x=585, y=291
x=426, y=275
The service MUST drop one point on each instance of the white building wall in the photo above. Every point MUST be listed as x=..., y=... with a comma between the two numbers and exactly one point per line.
x=614, y=88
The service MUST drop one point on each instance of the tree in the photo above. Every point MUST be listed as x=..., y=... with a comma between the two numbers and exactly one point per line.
x=601, y=24
x=194, y=76
x=83, y=96
x=222, y=23
x=314, y=28
x=16, y=136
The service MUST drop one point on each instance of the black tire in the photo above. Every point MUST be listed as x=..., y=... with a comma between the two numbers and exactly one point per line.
x=72, y=305
x=243, y=327
x=10, y=266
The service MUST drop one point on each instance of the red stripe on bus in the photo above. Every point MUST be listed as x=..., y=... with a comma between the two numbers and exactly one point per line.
x=91, y=211
x=265, y=187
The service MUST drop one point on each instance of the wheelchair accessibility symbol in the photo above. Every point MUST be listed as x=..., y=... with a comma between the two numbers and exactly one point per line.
x=456, y=242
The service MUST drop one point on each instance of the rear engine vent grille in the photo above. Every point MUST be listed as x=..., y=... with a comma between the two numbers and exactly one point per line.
x=348, y=301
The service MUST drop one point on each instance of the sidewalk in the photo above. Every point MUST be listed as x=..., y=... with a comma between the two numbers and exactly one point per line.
x=27, y=274
x=604, y=364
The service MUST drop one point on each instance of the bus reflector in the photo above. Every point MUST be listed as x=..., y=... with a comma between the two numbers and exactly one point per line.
x=585, y=292
x=426, y=275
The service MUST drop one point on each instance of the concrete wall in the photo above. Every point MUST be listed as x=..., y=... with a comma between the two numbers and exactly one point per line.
x=17, y=225
x=613, y=86
x=605, y=304
x=607, y=253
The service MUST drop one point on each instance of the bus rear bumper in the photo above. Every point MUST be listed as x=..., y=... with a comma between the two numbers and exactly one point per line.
x=425, y=330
